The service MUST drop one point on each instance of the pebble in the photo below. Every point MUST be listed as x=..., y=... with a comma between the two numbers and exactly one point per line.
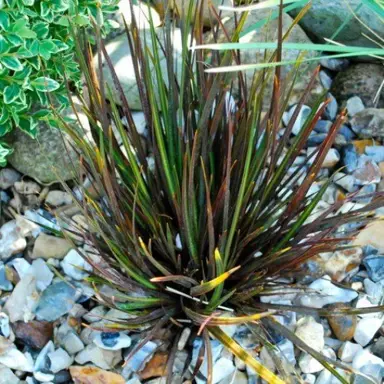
x=59, y=360
x=184, y=338
x=42, y=273
x=366, y=330
x=11, y=240
x=327, y=293
x=5, y=330
x=305, y=111
x=371, y=235
x=331, y=109
x=350, y=158
x=57, y=198
x=364, y=357
x=155, y=367
x=335, y=64
x=94, y=375
x=72, y=343
x=137, y=362
x=309, y=364
x=35, y=334
x=8, y=177
x=311, y=332
x=112, y=341
x=7, y=376
x=348, y=351
x=368, y=123
x=367, y=171
x=345, y=181
x=375, y=267
x=47, y=246
x=375, y=152
x=375, y=291
x=75, y=266
x=308, y=378
x=222, y=369
x=344, y=325
x=23, y=300
x=325, y=79
x=100, y=357
x=95, y=314
x=354, y=105
x=378, y=347
x=27, y=187
x=56, y=301
x=5, y=284
x=14, y=359
x=332, y=158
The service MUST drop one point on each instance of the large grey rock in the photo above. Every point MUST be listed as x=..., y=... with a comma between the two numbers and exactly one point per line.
x=325, y=17
x=50, y=158
x=363, y=80
x=121, y=57
x=269, y=33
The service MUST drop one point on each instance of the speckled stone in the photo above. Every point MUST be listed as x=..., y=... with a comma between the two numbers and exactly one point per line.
x=361, y=80
x=343, y=326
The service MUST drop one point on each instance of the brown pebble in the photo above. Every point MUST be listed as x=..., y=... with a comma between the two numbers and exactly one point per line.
x=93, y=375
x=343, y=326
x=155, y=367
x=34, y=333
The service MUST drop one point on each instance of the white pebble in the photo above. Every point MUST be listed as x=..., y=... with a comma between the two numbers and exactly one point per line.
x=366, y=329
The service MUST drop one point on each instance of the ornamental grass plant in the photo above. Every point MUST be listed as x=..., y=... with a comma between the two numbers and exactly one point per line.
x=195, y=226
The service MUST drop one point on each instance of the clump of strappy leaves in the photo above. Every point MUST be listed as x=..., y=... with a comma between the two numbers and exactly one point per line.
x=37, y=55
x=218, y=220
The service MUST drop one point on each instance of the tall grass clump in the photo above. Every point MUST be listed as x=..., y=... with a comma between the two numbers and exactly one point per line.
x=197, y=236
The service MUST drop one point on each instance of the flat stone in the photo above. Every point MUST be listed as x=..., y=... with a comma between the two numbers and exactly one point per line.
x=93, y=375
x=35, y=334
x=47, y=247
x=56, y=301
x=372, y=235
x=100, y=357
x=23, y=300
x=326, y=293
x=367, y=171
